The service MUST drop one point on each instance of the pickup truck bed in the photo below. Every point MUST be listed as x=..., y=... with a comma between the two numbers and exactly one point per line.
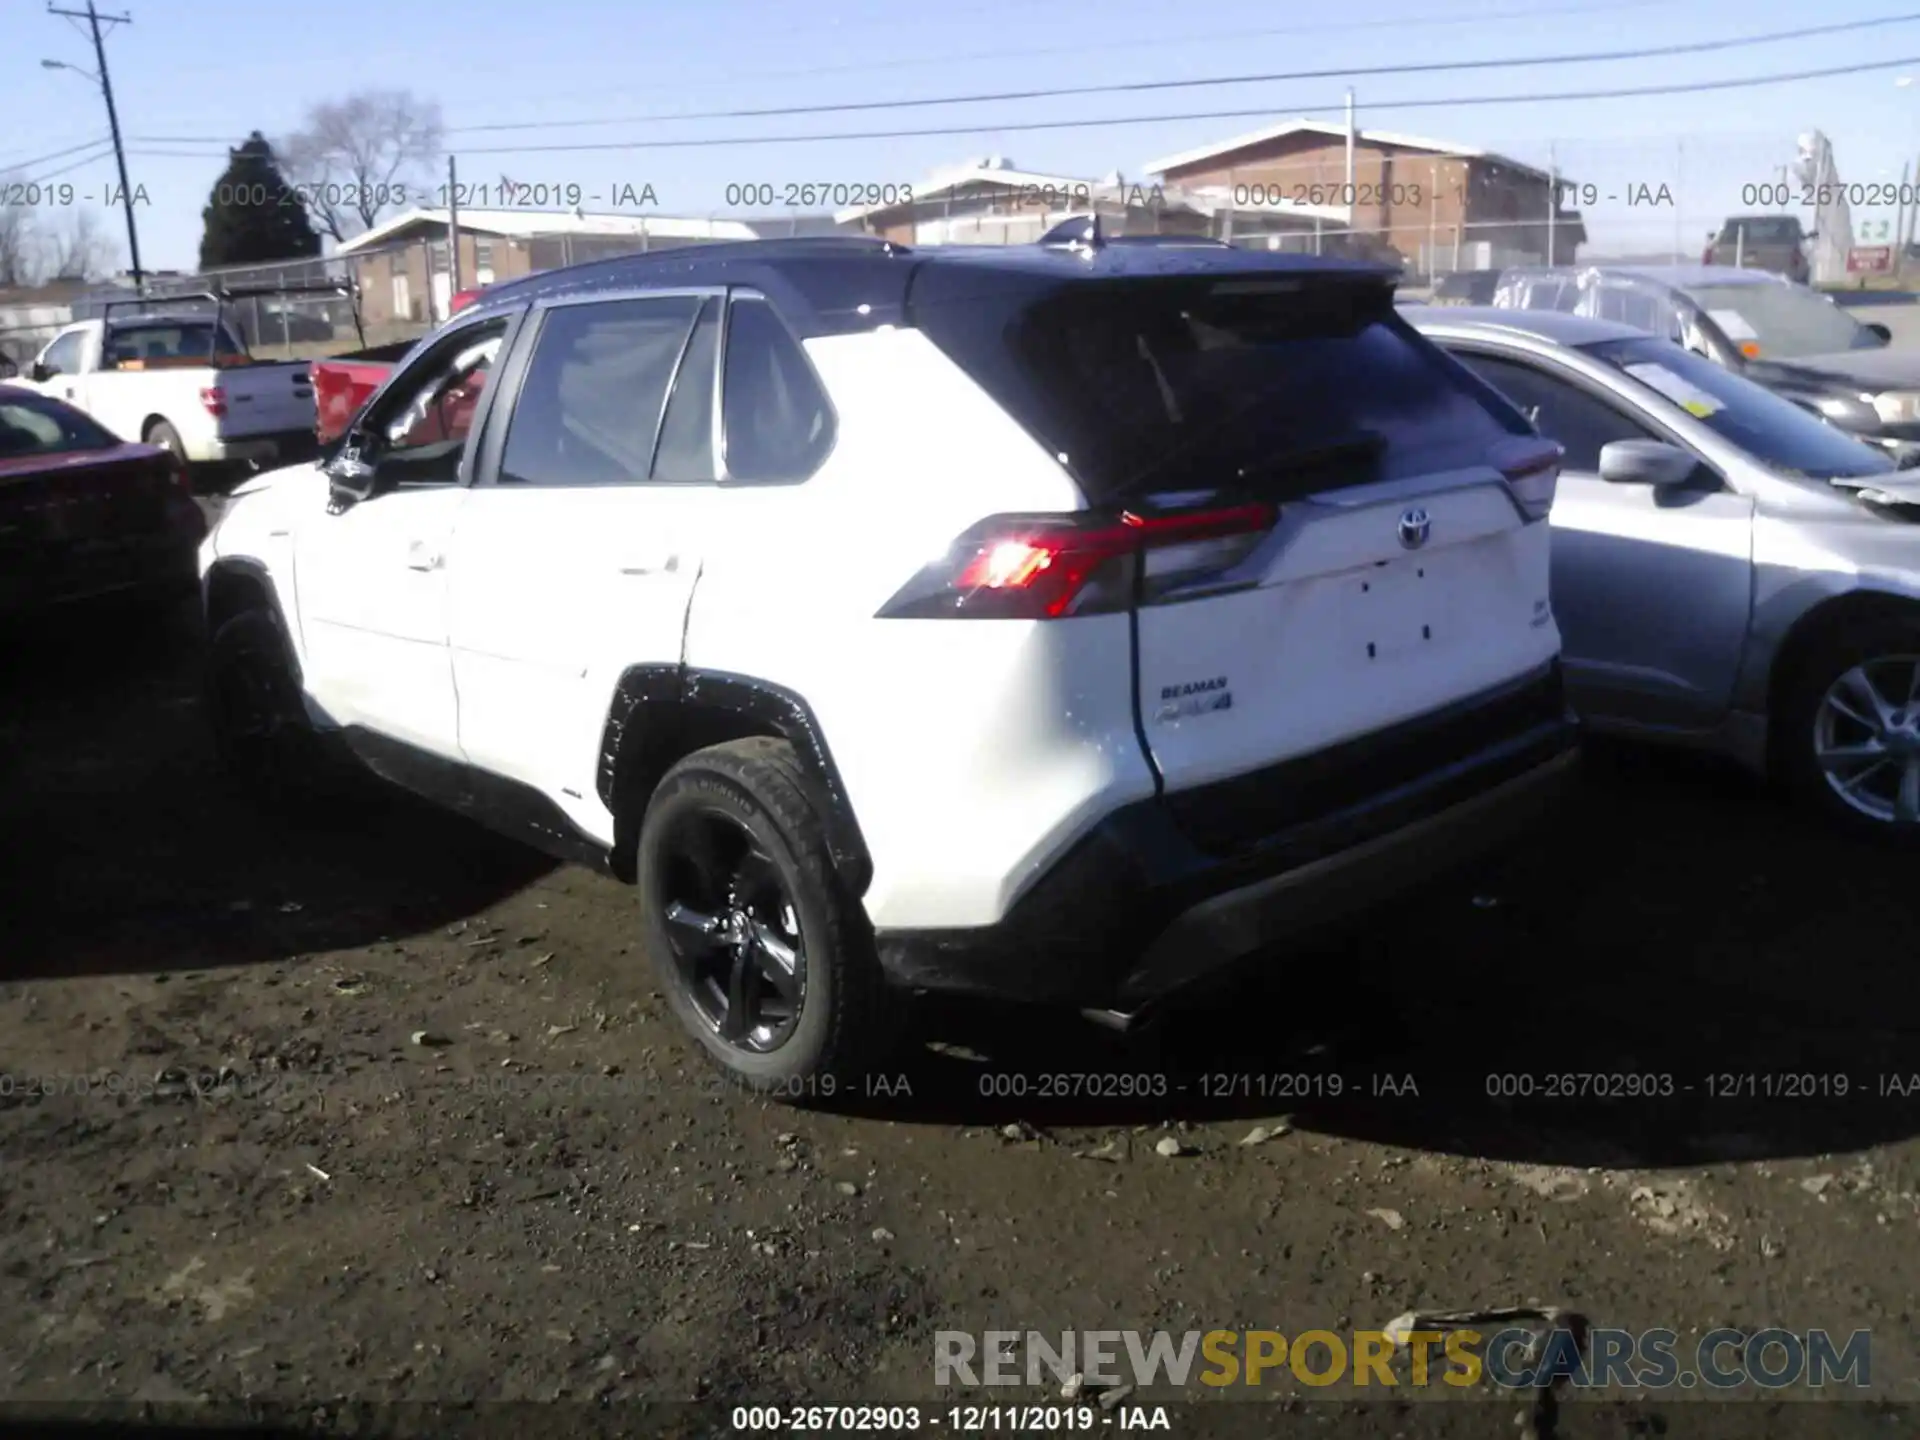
x=343, y=383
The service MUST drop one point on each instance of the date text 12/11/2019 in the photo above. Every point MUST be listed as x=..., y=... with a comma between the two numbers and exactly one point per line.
x=959, y=1419
x=543, y=195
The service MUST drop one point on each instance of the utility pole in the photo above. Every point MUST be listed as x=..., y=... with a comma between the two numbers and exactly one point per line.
x=1353, y=136
x=1553, y=201
x=453, y=235
x=93, y=18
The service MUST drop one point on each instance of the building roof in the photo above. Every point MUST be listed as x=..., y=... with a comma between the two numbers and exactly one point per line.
x=1333, y=128
x=527, y=224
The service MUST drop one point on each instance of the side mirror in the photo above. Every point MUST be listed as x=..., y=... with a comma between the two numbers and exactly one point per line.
x=1645, y=462
x=1880, y=333
x=350, y=477
x=41, y=371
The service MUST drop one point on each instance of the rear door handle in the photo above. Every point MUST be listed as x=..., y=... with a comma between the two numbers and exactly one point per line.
x=423, y=556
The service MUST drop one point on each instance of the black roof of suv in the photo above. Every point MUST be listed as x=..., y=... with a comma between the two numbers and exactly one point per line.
x=825, y=285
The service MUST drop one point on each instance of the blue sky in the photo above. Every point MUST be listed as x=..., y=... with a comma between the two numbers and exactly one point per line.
x=191, y=78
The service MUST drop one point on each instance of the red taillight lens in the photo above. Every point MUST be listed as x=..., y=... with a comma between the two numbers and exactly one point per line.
x=1046, y=567
x=214, y=398
x=1532, y=472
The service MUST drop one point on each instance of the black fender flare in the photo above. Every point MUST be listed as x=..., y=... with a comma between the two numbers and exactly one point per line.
x=646, y=732
x=254, y=575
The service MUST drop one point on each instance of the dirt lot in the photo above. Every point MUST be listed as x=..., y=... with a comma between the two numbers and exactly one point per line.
x=227, y=1169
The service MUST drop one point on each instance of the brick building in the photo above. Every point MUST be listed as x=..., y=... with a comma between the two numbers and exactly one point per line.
x=402, y=269
x=1435, y=206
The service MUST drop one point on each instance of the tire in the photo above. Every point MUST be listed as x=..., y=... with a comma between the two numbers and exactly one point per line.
x=1825, y=716
x=162, y=434
x=261, y=732
x=744, y=819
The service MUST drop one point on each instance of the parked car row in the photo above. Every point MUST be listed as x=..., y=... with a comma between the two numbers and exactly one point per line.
x=1782, y=335
x=1230, y=602
x=1729, y=571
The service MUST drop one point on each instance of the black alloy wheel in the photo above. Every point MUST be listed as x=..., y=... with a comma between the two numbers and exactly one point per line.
x=734, y=931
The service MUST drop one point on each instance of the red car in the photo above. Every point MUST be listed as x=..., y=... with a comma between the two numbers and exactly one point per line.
x=84, y=515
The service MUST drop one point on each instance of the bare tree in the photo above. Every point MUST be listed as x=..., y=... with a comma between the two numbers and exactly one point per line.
x=19, y=246
x=359, y=158
x=79, y=251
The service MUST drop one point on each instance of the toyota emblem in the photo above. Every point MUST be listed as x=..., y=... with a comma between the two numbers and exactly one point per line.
x=1415, y=526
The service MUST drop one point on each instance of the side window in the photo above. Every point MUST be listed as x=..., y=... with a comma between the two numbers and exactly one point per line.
x=778, y=424
x=1561, y=411
x=1635, y=308
x=685, y=452
x=431, y=407
x=63, y=356
x=590, y=408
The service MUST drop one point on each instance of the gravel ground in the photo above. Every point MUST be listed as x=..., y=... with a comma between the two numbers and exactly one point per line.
x=410, y=1121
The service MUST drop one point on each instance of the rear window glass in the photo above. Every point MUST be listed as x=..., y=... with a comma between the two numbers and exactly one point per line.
x=32, y=425
x=1766, y=230
x=193, y=340
x=1254, y=384
x=1474, y=285
x=1781, y=322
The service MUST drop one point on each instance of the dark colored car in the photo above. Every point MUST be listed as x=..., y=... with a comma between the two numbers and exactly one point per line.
x=1773, y=243
x=1793, y=340
x=1467, y=287
x=85, y=515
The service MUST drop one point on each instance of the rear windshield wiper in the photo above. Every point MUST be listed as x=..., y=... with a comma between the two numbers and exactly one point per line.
x=1364, y=446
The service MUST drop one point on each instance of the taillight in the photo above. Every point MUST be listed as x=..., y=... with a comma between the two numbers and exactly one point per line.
x=1532, y=472
x=214, y=397
x=1047, y=567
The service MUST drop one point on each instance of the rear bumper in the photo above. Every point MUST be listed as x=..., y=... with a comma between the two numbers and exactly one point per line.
x=285, y=447
x=1158, y=897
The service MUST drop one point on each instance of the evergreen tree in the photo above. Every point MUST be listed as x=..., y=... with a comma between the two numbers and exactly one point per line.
x=253, y=216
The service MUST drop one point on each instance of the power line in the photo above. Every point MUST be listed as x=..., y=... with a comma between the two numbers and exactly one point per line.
x=1137, y=87
x=1265, y=112
x=1159, y=43
x=104, y=152
x=1132, y=87
x=54, y=155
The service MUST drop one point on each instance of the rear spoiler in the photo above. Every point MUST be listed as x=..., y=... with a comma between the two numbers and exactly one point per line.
x=221, y=296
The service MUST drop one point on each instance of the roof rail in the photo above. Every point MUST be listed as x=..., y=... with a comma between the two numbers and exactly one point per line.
x=776, y=246
x=1180, y=241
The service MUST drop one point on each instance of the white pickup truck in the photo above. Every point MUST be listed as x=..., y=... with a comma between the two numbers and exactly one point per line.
x=184, y=382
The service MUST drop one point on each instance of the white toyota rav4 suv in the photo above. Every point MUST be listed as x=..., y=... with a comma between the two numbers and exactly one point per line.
x=1060, y=622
